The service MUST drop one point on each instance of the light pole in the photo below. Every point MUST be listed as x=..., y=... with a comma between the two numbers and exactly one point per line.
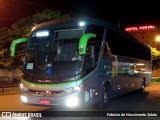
x=157, y=39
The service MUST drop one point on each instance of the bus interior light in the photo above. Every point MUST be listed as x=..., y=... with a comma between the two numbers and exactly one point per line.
x=140, y=64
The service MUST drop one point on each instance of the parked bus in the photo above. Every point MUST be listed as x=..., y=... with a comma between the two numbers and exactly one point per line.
x=112, y=63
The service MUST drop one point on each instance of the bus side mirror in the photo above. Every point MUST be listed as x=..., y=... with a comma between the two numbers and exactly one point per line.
x=14, y=43
x=83, y=42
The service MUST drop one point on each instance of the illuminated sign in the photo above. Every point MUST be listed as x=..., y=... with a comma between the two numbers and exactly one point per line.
x=147, y=27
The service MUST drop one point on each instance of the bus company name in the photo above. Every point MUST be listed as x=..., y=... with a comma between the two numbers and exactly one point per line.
x=126, y=64
x=147, y=27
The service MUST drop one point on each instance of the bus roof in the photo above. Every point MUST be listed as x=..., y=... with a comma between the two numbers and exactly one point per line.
x=71, y=22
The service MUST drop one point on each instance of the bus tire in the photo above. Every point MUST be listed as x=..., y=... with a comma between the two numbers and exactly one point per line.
x=142, y=89
x=105, y=97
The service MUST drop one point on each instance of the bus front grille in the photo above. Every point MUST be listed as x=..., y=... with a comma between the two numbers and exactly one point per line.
x=46, y=93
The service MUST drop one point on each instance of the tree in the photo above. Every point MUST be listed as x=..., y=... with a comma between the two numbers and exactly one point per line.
x=24, y=26
x=5, y=59
x=22, y=29
x=155, y=58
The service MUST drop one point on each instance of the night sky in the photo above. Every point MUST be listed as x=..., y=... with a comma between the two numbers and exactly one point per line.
x=125, y=12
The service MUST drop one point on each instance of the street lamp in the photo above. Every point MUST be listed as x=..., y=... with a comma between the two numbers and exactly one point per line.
x=156, y=39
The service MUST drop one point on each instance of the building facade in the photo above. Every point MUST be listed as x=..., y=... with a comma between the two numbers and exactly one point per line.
x=147, y=34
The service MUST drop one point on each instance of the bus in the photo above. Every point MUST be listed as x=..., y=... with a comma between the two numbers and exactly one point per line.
x=113, y=63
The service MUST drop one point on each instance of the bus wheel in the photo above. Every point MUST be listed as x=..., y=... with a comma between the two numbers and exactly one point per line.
x=142, y=89
x=105, y=97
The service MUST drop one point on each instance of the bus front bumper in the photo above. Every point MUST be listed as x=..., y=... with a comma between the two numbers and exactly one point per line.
x=71, y=100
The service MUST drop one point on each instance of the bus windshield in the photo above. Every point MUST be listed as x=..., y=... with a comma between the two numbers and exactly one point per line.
x=53, y=45
x=51, y=52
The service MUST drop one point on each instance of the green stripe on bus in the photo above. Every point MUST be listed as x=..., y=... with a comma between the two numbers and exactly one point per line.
x=39, y=84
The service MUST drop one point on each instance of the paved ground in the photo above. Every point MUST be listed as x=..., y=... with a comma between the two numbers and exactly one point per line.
x=136, y=103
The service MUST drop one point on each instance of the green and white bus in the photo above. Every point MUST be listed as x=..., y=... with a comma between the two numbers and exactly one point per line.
x=113, y=63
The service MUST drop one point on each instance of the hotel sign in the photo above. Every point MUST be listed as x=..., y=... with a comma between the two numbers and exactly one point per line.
x=147, y=27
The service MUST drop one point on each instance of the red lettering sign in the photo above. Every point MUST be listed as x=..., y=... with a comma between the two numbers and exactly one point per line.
x=147, y=27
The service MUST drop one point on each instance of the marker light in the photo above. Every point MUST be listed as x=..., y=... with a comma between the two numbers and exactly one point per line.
x=24, y=99
x=72, y=102
x=33, y=28
x=23, y=87
x=42, y=33
x=81, y=24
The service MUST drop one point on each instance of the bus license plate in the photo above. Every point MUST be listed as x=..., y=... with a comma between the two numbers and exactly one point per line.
x=44, y=101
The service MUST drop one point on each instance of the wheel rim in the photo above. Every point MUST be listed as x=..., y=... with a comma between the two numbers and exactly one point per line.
x=106, y=95
x=142, y=88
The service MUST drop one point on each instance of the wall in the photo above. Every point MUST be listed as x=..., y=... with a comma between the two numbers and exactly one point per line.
x=6, y=75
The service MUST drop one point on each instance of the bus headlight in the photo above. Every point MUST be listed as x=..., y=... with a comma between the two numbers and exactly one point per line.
x=72, y=102
x=73, y=89
x=24, y=99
